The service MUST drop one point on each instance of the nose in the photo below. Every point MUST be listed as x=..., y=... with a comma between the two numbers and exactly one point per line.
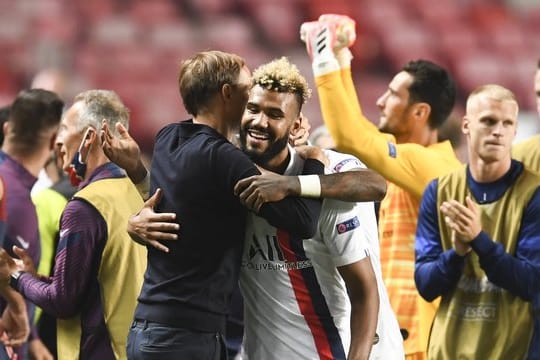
x=381, y=100
x=59, y=139
x=260, y=119
x=497, y=129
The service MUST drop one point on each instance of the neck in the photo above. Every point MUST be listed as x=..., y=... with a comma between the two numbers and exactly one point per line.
x=484, y=172
x=278, y=163
x=216, y=122
x=95, y=159
x=425, y=137
x=32, y=162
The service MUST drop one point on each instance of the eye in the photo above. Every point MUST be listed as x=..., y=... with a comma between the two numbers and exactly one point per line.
x=252, y=109
x=275, y=115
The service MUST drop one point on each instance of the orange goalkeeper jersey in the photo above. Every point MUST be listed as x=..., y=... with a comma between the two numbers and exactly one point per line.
x=408, y=168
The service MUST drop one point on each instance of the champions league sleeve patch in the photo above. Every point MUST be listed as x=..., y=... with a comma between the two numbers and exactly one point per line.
x=392, y=151
x=348, y=225
x=350, y=163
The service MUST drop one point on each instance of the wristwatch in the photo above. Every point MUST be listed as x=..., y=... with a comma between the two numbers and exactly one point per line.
x=14, y=278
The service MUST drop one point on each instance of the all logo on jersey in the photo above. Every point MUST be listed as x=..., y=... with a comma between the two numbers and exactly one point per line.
x=270, y=251
x=266, y=254
x=348, y=225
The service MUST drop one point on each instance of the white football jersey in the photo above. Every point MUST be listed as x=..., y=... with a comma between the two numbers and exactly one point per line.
x=295, y=301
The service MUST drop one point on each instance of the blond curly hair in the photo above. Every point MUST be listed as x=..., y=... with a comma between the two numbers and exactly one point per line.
x=282, y=76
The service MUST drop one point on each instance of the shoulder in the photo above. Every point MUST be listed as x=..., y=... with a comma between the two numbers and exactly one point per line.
x=341, y=162
x=527, y=144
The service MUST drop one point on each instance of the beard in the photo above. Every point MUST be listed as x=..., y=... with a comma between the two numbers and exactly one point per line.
x=262, y=157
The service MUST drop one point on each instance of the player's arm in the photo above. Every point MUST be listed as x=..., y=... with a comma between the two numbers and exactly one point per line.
x=410, y=166
x=436, y=271
x=14, y=320
x=298, y=216
x=362, y=287
x=62, y=295
x=355, y=186
x=519, y=273
x=124, y=151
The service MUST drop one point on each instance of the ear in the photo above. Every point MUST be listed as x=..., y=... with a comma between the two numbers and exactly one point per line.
x=296, y=125
x=90, y=137
x=226, y=91
x=5, y=128
x=465, y=125
x=52, y=140
x=422, y=111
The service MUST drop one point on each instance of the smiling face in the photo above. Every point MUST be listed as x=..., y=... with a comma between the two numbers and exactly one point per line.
x=490, y=126
x=269, y=118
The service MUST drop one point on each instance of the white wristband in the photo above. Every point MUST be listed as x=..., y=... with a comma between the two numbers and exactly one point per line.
x=310, y=186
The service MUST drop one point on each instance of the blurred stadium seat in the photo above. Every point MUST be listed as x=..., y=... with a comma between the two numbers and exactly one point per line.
x=134, y=46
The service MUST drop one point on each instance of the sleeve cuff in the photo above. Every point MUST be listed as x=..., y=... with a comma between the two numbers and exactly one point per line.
x=451, y=257
x=482, y=244
x=312, y=166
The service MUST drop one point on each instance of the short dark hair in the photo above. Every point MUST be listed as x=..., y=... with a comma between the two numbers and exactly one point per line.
x=433, y=85
x=33, y=112
x=203, y=75
x=4, y=115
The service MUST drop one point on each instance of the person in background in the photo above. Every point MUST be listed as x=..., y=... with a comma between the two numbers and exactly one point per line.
x=478, y=242
x=404, y=149
x=321, y=137
x=50, y=203
x=528, y=151
x=98, y=270
x=29, y=137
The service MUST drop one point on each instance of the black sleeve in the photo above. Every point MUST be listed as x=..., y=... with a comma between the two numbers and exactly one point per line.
x=298, y=216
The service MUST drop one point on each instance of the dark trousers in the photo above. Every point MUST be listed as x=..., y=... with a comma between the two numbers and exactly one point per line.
x=149, y=341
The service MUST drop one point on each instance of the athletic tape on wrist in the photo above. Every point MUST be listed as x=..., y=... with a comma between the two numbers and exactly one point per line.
x=310, y=186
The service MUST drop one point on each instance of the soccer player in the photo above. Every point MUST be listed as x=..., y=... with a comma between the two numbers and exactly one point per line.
x=98, y=270
x=478, y=241
x=404, y=150
x=295, y=292
x=528, y=151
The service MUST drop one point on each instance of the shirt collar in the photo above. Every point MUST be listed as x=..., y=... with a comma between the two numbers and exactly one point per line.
x=24, y=176
x=105, y=171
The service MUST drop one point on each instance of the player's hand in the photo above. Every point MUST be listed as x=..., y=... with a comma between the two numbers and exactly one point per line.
x=461, y=248
x=7, y=267
x=463, y=219
x=38, y=350
x=123, y=151
x=25, y=262
x=14, y=324
x=150, y=228
x=256, y=190
x=312, y=152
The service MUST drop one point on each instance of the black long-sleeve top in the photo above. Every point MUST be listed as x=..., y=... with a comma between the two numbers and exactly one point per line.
x=197, y=169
